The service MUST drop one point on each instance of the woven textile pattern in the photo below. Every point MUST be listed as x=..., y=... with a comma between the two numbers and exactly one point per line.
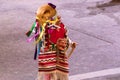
x=53, y=62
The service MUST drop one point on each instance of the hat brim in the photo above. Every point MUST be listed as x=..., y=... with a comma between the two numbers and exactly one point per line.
x=41, y=10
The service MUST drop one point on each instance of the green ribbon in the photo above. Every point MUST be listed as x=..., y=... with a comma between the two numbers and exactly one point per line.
x=31, y=30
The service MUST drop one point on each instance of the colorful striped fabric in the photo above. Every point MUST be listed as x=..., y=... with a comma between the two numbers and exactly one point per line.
x=50, y=62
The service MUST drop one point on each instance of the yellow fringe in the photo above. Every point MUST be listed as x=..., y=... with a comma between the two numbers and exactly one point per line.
x=54, y=75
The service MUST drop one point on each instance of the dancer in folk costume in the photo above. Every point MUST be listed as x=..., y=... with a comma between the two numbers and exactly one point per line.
x=52, y=43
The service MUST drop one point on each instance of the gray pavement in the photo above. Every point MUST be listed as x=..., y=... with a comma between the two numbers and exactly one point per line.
x=96, y=31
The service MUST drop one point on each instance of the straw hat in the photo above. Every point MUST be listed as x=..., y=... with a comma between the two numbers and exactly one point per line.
x=45, y=12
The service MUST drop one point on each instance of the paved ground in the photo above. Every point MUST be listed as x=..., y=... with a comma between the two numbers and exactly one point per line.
x=96, y=30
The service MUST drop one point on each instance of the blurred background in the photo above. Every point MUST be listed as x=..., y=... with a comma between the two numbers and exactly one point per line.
x=93, y=24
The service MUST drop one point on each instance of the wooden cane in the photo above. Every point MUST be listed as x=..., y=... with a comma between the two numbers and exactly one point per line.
x=73, y=47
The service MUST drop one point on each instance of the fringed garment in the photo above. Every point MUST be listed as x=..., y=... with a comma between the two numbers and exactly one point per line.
x=53, y=66
x=52, y=59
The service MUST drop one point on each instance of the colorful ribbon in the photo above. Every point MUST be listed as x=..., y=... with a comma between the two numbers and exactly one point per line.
x=31, y=30
x=33, y=37
x=41, y=34
x=36, y=24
